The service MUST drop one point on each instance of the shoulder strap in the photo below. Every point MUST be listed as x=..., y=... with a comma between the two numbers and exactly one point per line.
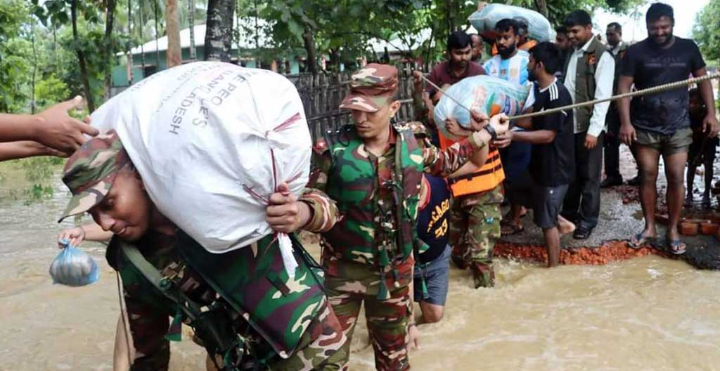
x=189, y=308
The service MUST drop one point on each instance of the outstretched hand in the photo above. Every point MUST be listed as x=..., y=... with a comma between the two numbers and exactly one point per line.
x=59, y=131
x=285, y=213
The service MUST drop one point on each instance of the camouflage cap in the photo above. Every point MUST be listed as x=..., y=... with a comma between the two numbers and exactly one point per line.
x=90, y=172
x=371, y=87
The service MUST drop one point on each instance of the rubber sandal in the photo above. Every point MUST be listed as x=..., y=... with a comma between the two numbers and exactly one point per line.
x=677, y=247
x=639, y=240
x=511, y=229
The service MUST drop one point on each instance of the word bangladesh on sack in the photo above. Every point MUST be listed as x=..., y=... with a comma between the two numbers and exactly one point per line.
x=74, y=267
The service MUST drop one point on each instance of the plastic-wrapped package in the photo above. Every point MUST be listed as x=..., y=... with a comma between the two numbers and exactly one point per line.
x=484, y=20
x=485, y=94
x=74, y=267
x=211, y=142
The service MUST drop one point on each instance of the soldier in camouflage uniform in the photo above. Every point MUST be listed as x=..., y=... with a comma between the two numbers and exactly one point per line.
x=373, y=171
x=243, y=305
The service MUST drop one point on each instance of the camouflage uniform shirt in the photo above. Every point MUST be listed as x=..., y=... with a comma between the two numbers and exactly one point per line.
x=368, y=205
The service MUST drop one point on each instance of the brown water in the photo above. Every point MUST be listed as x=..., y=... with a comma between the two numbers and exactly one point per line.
x=645, y=314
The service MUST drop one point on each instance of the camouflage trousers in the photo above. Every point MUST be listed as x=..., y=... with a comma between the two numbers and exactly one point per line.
x=474, y=227
x=387, y=321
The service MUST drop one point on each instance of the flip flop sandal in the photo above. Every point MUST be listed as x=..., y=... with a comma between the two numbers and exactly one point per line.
x=639, y=240
x=511, y=229
x=677, y=247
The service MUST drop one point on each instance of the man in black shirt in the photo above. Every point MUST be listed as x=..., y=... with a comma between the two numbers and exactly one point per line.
x=659, y=124
x=552, y=164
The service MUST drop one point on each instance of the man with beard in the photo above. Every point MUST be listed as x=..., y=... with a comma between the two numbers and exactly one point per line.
x=659, y=124
x=589, y=74
x=511, y=64
x=552, y=163
x=612, y=143
x=458, y=65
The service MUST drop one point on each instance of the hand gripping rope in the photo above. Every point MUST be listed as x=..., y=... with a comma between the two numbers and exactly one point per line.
x=655, y=89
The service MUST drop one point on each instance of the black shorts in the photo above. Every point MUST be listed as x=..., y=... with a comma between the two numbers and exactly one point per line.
x=546, y=202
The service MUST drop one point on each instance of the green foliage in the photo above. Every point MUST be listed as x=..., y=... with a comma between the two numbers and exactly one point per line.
x=707, y=30
x=40, y=169
x=13, y=55
x=49, y=91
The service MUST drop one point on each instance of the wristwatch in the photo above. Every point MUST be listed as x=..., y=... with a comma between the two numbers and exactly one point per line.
x=491, y=131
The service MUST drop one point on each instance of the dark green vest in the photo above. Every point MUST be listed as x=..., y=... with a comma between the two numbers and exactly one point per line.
x=585, y=81
x=352, y=183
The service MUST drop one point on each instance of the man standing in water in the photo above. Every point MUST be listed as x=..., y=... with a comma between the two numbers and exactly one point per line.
x=552, y=162
x=659, y=124
x=372, y=170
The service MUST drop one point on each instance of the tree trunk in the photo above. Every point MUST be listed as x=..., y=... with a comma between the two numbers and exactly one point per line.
x=541, y=6
x=107, y=52
x=157, y=36
x=81, y=58
x=130, y=62
x=191, y=22
x=218, y=33
x=309, y=42
x=142, y=38
x=34, y=73
x=172, y=28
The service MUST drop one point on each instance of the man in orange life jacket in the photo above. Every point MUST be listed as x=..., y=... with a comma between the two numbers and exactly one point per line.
x=475, y=215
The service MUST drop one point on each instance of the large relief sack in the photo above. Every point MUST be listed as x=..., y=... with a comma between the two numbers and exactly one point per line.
x=212, y=141
x=484, y=20
x=485, y=94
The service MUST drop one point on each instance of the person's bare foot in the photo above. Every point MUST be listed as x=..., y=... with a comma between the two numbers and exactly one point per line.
x=565, y=226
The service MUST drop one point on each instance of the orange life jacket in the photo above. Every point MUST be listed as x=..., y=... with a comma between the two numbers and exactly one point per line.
x=484, y=179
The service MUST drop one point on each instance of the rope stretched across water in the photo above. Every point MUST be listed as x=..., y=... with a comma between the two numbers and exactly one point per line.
x=655, y=89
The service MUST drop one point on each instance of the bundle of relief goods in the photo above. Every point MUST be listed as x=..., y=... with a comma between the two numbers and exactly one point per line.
x=211, y=142
x=484, y=94
x=485, y=19
x=73, y=267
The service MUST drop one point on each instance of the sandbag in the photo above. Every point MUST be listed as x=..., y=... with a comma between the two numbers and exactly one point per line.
x=212, y=141
x=484, y=20
x=484, y=94
x=73, y=267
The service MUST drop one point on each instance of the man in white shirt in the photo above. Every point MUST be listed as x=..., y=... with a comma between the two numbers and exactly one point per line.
x=589, y=75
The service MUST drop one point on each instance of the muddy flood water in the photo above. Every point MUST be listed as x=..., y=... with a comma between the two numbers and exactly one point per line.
x=644, y=314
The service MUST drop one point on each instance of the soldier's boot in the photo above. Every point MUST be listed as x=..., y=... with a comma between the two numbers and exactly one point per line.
x=483, y=275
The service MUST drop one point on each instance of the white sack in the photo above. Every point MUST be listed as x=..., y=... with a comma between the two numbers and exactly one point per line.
x=484, y=20
x=198, y=132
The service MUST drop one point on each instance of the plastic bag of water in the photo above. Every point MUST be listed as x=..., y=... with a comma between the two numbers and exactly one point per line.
x=73, y=267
